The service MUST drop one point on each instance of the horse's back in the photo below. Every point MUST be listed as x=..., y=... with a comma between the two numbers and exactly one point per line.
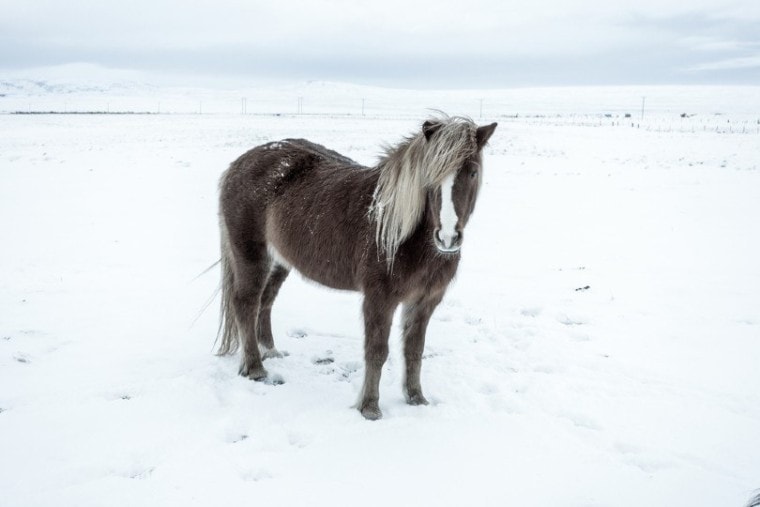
x=267, y=168
x=305, y=201
x=325, y=153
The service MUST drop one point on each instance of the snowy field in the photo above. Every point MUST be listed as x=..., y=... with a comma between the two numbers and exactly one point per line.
x=600, y=346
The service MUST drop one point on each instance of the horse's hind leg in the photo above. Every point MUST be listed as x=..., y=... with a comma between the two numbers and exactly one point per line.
x=276, y=278
x=251, y=274
x=416, y=317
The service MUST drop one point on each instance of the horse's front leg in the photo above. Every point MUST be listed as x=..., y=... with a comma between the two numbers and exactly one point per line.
x=378, y=316
x=416, y=317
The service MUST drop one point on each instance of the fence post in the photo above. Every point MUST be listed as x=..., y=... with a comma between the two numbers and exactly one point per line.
x=643, y=101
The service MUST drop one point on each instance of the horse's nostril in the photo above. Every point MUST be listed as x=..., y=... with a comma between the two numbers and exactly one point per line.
x=447, y=241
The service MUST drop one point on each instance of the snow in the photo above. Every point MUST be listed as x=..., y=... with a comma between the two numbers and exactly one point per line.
x=599, y=346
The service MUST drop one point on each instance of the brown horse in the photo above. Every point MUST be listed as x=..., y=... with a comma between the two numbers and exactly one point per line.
x=393, y=232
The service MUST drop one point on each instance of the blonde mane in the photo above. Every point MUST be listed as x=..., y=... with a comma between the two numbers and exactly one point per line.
x=409, y=170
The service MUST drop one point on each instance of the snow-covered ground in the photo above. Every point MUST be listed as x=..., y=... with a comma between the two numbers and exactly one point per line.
x=600, y=346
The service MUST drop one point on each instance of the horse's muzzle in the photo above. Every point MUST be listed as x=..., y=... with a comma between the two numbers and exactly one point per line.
x=447, y=244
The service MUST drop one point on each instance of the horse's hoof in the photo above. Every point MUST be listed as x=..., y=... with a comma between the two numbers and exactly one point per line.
x=273, y=354
x=416, y=399
x=371, y=413
x=257, y=374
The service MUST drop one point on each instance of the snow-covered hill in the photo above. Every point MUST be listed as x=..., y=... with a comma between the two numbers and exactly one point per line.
x=87, y=88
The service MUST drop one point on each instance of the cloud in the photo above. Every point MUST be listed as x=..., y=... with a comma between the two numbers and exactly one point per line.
x=544, y=41
x=744, y=62
x=715, y=44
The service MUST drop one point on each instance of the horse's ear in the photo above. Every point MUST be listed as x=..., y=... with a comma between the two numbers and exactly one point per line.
x=429, y=128
x=484, y=134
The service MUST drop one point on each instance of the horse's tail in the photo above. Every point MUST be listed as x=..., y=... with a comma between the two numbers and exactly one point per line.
x=228, y=330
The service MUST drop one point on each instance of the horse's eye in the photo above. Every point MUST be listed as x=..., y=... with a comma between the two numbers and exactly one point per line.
x=473, y=173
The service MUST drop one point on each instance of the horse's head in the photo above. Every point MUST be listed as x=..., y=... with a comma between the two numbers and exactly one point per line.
x=451, y=203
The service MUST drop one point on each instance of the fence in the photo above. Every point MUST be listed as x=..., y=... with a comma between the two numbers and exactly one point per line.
x=669, y=111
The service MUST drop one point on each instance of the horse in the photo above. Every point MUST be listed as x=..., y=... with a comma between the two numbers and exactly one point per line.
x=393, y=232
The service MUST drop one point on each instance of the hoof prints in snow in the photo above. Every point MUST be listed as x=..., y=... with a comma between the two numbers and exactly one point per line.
x=531, y=312
x=344, y=372
x=569, y=321
x=274, y=379
x=145, y=474
x=326, y=358
x=581, y=421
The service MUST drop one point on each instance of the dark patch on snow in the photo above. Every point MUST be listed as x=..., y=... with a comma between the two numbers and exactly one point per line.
x=587, y=287
x=22, y=359
x=126, y=397
x=568, y=321
x=144, y=474
x=324, y=360
x=348, y=370
x=297, y=333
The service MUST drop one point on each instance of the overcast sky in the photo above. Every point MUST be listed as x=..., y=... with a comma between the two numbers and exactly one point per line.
x=404, y=43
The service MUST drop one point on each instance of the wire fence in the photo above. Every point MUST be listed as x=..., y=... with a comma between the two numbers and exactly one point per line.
x=657, y=115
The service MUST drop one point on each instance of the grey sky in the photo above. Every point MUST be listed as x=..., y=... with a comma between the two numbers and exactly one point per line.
x=431, y=43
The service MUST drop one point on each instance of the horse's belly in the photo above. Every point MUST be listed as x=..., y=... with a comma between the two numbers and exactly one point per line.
x=315, y=264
